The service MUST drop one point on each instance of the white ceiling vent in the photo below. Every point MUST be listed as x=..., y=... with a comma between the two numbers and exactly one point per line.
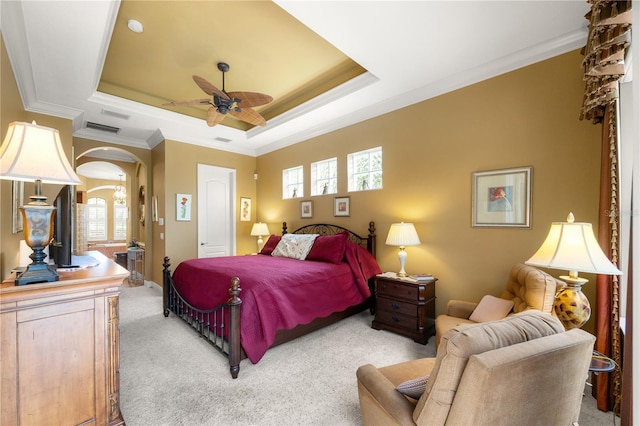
x=102, y=127
x=115, y=114
x=221, y=139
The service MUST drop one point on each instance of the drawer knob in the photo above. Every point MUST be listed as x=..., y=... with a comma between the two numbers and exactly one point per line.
x=395, y=306
x=395, y=318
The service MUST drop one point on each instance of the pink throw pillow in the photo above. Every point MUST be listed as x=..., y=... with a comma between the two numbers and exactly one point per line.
x=491, y=308
x=329, y=248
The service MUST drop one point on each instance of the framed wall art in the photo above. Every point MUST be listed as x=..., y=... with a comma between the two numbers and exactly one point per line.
x=183, y=207
x=245, y=209
x=502, y=198
x=17, y=201
x=154, y=208
x=341, y=206
x=306, y=209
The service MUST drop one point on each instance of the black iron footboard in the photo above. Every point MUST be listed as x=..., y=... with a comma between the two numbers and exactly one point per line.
x=210, y=324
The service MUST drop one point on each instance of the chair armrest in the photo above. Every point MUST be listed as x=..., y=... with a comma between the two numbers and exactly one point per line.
x=380, y=402
x=460, y=308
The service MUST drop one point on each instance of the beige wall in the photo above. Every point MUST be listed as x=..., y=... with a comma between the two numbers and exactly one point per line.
x=11, y=110
x=179, y=175
x=524, y=118
x=528, y=117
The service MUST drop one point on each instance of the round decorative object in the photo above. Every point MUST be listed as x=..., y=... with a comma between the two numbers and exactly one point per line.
x=572, y=307
x=141, y=208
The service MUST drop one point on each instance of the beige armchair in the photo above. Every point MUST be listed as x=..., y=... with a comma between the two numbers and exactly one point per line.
x=527, y=287
x=524, y=369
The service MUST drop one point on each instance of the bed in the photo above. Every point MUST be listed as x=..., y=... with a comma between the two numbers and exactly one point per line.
x=243, y=305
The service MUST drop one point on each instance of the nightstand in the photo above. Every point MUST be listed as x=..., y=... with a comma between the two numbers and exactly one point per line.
x=405, y=306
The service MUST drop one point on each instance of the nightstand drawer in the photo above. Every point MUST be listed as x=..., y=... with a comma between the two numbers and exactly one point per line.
x=395, y=319
x=397, y=289
x=392, y=305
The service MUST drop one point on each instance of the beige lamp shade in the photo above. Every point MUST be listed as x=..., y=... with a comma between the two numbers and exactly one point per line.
x=31, y=152
x=402, y=235
x=573, y=246
x=259, y=229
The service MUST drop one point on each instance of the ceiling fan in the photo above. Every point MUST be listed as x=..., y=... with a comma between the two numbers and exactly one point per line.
x=237, y=104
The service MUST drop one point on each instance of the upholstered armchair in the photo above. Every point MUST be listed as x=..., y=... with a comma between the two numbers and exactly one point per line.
x=524, y=369
x=527, y=287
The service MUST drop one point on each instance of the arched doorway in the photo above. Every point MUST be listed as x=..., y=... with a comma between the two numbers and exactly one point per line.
x=103, y=169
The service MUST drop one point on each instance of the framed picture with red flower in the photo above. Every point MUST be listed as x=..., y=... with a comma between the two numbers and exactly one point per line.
x=502, y=198
x=183, y=207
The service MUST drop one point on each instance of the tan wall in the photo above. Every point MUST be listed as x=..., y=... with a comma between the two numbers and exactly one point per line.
x=528, y=117
x=180, y=176
x=11, y=110
x=524, y=118
x=158, y=231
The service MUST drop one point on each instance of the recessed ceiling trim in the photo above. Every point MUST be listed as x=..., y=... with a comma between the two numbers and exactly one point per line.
x=345, y=89
x=109, y=138
x=56, y=110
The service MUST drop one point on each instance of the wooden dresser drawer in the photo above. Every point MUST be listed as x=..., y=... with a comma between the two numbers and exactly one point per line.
x=397, y=306
x=397, y=290
x=395, y=319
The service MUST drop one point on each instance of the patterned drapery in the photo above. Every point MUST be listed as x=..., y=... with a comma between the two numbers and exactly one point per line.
x=604, y=55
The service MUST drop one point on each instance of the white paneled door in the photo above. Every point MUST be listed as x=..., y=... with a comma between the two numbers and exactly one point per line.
x=216, y=211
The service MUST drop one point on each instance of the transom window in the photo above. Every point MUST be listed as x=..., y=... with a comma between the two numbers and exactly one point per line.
x=324, y=177
x=292, y=183
x=364, y=170
x=97, y=215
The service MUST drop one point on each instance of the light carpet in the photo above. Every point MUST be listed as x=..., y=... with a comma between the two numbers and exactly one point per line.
x=170, y=376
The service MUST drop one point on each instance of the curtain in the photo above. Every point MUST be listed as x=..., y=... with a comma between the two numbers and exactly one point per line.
x=604, y=55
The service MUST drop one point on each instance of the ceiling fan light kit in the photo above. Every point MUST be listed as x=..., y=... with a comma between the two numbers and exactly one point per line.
x=237, y=104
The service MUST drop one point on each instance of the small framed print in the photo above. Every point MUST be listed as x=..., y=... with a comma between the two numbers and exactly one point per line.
x=306, y=209
x=245, y=209
x=183, y=207
x=154, y=208
x=502, y=198
x=16, y=202
x=341, y=206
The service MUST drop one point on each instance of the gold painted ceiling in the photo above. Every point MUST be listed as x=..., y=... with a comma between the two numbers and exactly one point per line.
x=267, y=49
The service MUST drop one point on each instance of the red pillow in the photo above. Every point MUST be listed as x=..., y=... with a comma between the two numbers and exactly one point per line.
x=270, y=245
x=329, y=248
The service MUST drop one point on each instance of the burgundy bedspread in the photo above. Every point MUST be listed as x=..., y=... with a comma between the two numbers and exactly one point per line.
x=277, y=292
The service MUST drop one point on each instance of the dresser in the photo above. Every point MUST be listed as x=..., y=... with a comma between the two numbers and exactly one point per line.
x=60, y=348
x=405, y=306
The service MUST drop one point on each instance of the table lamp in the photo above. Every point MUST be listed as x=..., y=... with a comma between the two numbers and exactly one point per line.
x=572, y=246
x=402, y=235
x=258, y=230
x=31, y=152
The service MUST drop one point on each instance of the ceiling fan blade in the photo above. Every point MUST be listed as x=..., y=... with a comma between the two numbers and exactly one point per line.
x=209, y=88
x=193, y=102
x=214, y=117
x=250, y=116
x=251, y=99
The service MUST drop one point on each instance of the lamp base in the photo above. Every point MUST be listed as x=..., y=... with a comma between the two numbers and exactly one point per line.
x=571, y=305
x=38, y=273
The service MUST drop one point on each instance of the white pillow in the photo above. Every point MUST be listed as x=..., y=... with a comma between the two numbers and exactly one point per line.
x=491, y=308
x=295, y=246
x=413, y=388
